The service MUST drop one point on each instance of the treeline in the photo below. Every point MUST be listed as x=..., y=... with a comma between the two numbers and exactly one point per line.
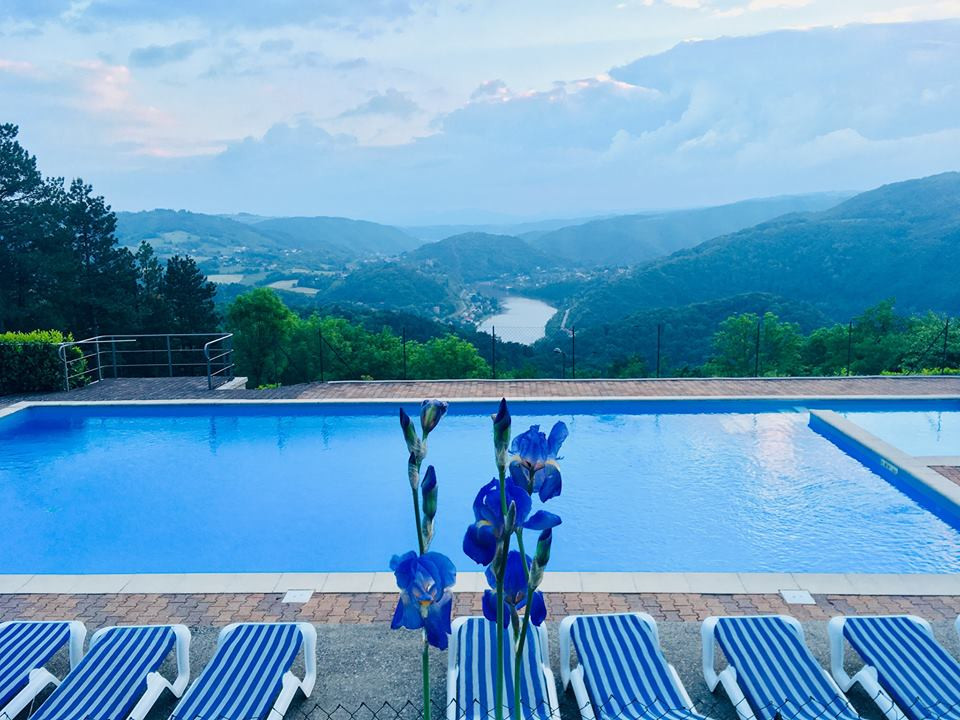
x=62, y=268
x=275, y=345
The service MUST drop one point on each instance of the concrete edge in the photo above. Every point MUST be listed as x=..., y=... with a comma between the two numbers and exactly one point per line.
x=558, y=582
x=889, y=460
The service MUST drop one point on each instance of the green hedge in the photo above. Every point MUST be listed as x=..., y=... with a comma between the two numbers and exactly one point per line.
x=30, y=362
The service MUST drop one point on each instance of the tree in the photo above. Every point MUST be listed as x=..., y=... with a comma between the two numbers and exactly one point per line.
x=98, y=296
x=261, y=325
x=446, y=357
x=188, y=297
x=736, y=347
x=151, y=304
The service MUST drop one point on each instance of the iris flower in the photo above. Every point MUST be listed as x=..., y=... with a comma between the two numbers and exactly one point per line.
x=534, y=462
x=426, y=599
x=514, y=593
x=431, y=411
x=489, y=526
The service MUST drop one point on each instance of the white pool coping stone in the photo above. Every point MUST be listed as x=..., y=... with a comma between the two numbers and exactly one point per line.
x=558, y=582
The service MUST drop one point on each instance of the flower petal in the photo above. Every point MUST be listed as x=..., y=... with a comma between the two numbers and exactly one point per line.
x=479, y=544
x=548, y=481
x=541, y=520
x=538, y=609
x=558, y=434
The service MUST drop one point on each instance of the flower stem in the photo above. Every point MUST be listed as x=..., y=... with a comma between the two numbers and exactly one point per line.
x=425, y=665
x=416, y=515
x=518, y=663
x=506, y=540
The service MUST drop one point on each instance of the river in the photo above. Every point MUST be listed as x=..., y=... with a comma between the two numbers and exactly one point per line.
x=523, y=320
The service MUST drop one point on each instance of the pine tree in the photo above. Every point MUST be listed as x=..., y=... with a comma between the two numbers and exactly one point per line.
x=188, y=297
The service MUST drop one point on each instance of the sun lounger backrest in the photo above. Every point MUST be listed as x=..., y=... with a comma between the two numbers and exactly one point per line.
x=476, y=692
x=25, y=646
x=776, y=671
x=244, y=677
x=920, y=676
x=624, y=669
x=112, y=676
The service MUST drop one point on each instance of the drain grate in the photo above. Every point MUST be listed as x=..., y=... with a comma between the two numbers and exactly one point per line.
x=297, y=596
x=797, y=597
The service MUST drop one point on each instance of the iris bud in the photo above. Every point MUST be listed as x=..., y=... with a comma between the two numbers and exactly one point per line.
x=431, y=411
x=410, y=436
x=501, y=433
x=429, y=491
x=542, y=555
x=510, y=521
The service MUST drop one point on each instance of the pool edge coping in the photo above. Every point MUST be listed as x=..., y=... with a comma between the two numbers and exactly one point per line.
x=917, y=584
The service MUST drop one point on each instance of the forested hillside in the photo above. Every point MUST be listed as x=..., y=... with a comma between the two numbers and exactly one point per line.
x=901, y=240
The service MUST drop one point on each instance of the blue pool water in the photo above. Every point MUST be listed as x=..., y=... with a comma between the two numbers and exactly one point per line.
x=922, y=431
x=323, y=488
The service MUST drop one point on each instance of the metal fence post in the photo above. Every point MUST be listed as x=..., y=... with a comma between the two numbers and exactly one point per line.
x=169, y=358
x=99, y=367
x=756, y=356
x=493, y=351
x=573, y=352
x=404, y=341
x=113, y=355
x=849, y=344
x=320, y=335
x=659, y=337
x=946, y=331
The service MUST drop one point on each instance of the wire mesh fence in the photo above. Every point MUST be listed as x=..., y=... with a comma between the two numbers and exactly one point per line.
x=750, y=347
x=610, y=708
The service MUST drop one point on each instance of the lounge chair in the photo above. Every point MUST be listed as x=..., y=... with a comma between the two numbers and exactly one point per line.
x=249, y=676
x=621, y=671
x=906, y=671
x=471, y=661
x=25, y=647
x=119, y=678
x=770, y=672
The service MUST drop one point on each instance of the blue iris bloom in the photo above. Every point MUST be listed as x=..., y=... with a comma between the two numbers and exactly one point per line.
x=480, y=541
x=534, y=462
x=425, y=583
x=514, y=593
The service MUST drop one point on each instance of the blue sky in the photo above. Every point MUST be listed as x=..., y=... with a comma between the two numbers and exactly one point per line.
x=431, y=111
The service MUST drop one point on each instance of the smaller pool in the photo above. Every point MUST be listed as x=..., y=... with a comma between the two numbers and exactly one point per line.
x=919, y=432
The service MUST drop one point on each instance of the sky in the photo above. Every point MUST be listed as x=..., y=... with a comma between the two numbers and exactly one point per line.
x=426, y=111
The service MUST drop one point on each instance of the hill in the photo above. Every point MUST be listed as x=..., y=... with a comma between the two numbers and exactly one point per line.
x=343, y=238
x=248, y=239
x=393, y=286
x=634, y=239
x=473, y=257
x=901, y=240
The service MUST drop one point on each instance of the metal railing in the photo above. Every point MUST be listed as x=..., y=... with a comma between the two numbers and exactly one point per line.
x=151, y=355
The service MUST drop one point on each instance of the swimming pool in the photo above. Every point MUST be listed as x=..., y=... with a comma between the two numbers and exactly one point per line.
x=686, y=486
x=920, y=431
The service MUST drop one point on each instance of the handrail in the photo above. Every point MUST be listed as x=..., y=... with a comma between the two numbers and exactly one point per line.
x=175, y=359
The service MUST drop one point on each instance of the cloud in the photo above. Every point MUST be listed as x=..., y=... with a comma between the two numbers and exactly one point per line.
x=223, y=12
x=705, y=122
x=278, y=45
x=392, y=102
x=357, y=63
x=157, y=55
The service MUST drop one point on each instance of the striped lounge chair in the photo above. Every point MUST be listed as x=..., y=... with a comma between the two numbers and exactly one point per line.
x=471, y=661
x=25, y=647
x=250, y=677
x=621, y=671
x=906, y=671
x=119, y=678
x=770, y=672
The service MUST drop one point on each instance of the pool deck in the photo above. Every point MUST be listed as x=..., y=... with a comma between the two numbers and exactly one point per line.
x=368, y=597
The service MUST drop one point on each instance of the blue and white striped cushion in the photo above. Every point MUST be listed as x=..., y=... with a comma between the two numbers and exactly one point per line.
x=25, y=646
x=477, y=661
x=243, y=679
x=112, y=676
x=776, y=671
x=922, y=679
x=624, y=669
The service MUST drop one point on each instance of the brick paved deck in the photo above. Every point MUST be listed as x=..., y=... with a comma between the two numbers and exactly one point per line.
x=219, y=609
x=196, y=388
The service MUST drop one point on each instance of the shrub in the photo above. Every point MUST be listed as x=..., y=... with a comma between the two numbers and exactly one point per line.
x=30, y=362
